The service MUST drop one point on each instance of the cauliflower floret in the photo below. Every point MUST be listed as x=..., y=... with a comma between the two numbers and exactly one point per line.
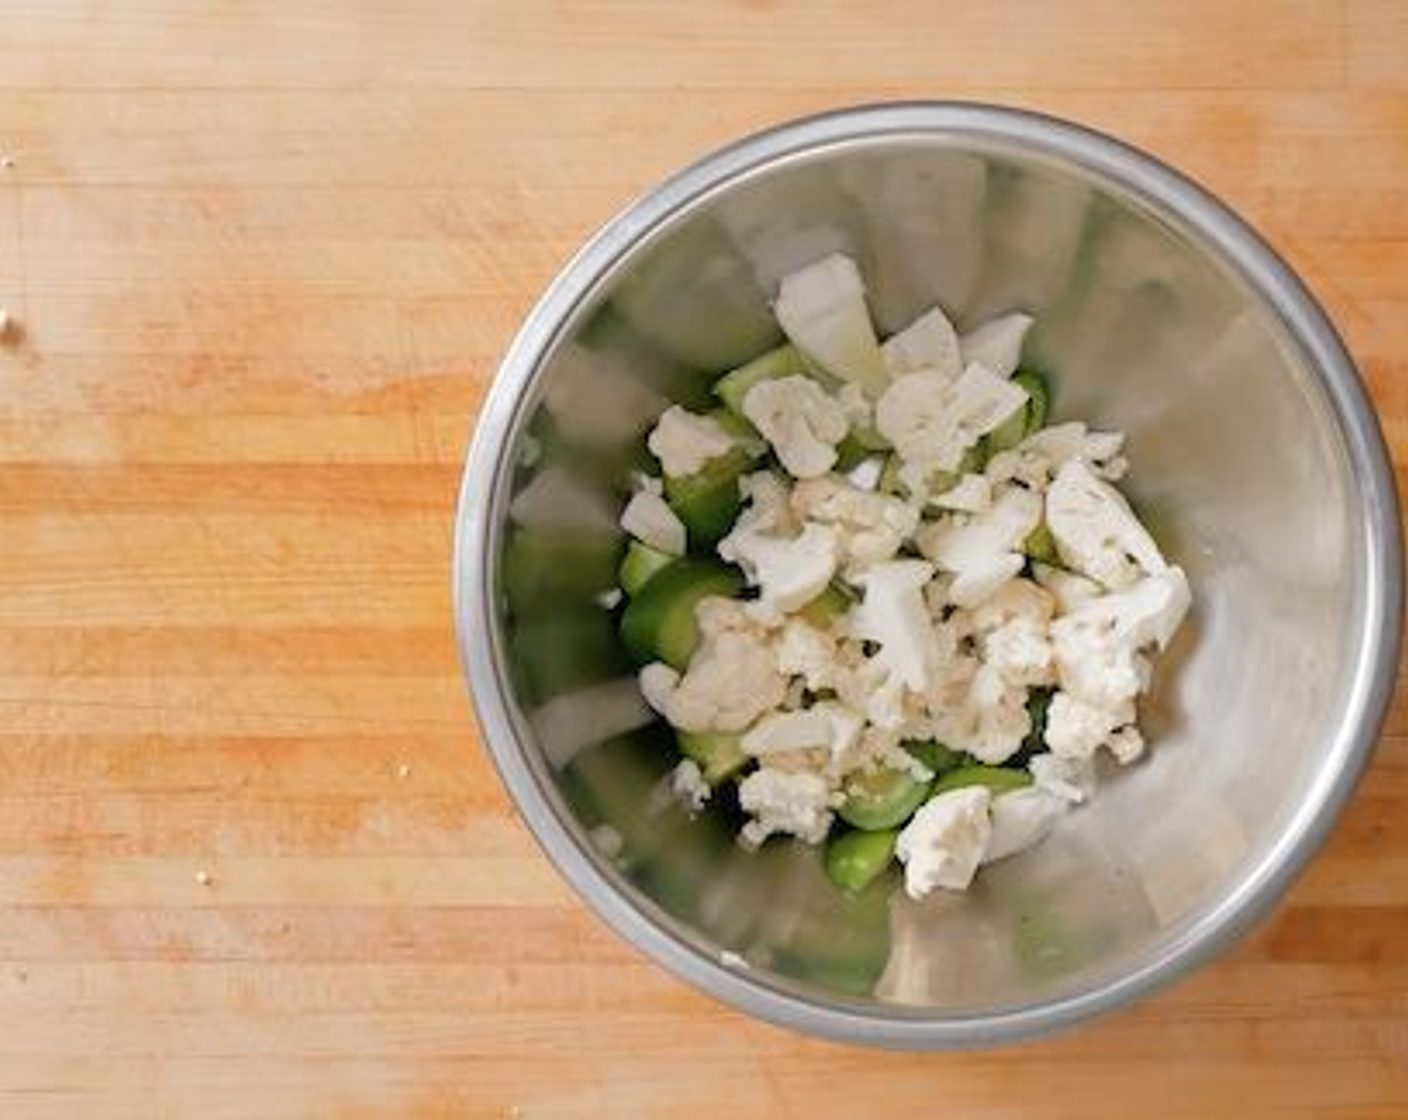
x=944, y=842
x=789, y=572
x=1000, y=720
x=982, y=550
x=859, y=410
x=1041, y=455
x=769, y=507
x=1148, y=613
x=801, y=420
x=732, y=678
x=1091, y=666
x=1126, y=744
x=807, y=652
x=872, y=527
x=1068, y=589
x=867, y=684
x=997, y=344
x=1011, y=626
x=827, y=726
x=928, y=343
x=1097, y=644
x=822, y=310
x=1020, y=651
x=1095, y=531
x=1021, y=819
x=1075, y=729
x=932, y=420
x=684, y=441
x=651, y=521
x=658, y=682
x=970, y=494
x=688, y=786
x=892, y=613
x=796, y=803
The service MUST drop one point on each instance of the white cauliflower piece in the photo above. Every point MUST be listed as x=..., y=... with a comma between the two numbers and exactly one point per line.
x=872, y=527
x=892, y=613
x=651, y=521
x=658, y=682
x=789, y=572
x=807, y=652
x=1020, y=819
x=768, y=507
x=801, y=420
x=796, y=803
x=931, y=420
x=860, y=412
x=1075, y=729
x=1148, y=613
x=970, y=494
x=1097, y=643
x=1012, y=630
x=1126, y=744
x=822, y=310
x=1068, y=589
x=732, y=678
x=684, y=441
x=997, y=344
x=827, y=726
x=1095, y=531
x=928, y=343
x=1037, y=459
x=1060, y=443
x=998, y=718
x=984, y=550
x=944, y=842
x=688, y=786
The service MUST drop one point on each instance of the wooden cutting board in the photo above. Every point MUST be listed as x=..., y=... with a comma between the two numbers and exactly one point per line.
x=264, y=257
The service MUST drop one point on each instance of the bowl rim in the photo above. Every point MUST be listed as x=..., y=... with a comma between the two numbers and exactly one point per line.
x=1375, y=646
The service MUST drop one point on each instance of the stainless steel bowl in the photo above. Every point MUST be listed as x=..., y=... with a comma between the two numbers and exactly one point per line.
x=1256, y=459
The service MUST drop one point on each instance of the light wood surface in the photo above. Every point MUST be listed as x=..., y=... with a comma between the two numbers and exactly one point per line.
x=265, y=258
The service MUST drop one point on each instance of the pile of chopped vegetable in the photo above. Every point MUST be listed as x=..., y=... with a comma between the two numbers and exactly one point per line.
x=880, y=592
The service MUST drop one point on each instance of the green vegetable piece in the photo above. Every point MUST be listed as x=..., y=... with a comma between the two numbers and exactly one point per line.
x=640, y=565
x=733, y=386
x=936, y=756
x=659, y=622
x=856, y=859
x=890, y=478
x=1040, y=545
x=999, y=779
x=850, y=453
x=882, y=799
x=1038, y=400
x=1010, y=432
x=708, y=501
x=869, y=438
x=1038, y=704
x=827, y=607
x=718, y=755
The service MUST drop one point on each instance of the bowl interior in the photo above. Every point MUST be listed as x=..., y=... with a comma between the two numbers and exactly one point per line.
x=1238, y=466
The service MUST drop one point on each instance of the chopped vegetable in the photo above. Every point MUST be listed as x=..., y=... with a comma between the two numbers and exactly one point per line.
x=854, y=860
x=659, y=622
x=941, y=606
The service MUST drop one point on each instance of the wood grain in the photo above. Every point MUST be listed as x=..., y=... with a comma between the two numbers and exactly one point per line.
x=265, y=258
